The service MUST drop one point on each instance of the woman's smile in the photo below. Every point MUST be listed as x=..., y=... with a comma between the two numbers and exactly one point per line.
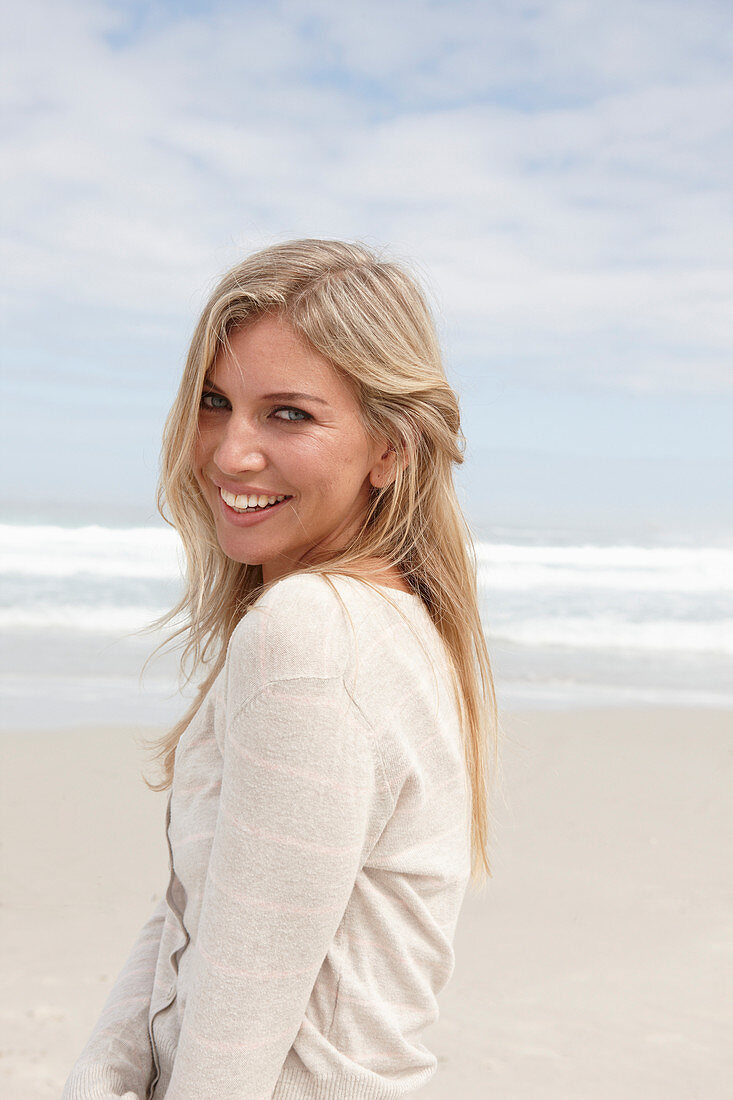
x=242, y=500
x=282, y=480
x=246, y=514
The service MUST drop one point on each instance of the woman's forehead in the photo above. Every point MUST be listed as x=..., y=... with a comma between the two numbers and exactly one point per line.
x=269, y=356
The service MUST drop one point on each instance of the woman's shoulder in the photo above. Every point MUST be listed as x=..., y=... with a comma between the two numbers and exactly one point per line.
x=308, y=625
x=377, y=645
x=299, y=627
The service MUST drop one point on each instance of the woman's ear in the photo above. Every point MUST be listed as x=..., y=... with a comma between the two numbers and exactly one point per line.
x=384, y=470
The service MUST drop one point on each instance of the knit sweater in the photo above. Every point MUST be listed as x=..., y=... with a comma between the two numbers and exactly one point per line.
x=318, y=828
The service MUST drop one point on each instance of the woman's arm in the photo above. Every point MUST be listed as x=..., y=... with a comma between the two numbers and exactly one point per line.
x=117, y=1060
x=303, y=799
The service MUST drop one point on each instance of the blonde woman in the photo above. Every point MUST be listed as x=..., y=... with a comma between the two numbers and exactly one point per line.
x=329, y=787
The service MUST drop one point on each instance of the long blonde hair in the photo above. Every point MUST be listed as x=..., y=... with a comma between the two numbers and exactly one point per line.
x=371, y=320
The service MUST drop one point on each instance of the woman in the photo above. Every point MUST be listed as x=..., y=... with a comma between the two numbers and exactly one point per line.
x=329, y=786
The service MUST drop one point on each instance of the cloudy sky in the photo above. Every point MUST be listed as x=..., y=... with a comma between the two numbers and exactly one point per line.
x=557, y=173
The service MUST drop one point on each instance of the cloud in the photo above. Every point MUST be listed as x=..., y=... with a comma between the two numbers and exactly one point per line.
x=558, y=171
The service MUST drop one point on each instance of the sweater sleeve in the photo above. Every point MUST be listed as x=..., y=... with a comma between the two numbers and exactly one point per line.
x=117, y=1059
x=303, y=799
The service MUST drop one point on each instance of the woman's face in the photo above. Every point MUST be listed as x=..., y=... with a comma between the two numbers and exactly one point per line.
x=276, y=420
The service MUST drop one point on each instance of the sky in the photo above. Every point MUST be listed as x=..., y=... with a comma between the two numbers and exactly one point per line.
x=557, y=174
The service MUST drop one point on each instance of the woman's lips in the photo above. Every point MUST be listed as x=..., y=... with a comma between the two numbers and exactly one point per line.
x=248, y=519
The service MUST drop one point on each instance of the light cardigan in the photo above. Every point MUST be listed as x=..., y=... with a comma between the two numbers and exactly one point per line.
x=318, y=827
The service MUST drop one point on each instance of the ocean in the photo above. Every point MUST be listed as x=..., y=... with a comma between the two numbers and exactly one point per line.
x=570, y=622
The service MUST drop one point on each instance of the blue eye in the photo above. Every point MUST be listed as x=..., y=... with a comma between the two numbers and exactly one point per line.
x=289, y=409
x=216, y=397
x=210, y=402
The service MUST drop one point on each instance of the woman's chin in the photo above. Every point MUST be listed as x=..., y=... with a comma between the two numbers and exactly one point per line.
x=233, y=547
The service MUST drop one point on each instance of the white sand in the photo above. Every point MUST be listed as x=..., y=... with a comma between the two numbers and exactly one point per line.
x=596, y=965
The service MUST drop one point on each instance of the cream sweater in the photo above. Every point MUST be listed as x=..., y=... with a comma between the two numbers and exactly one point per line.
x=318, y=826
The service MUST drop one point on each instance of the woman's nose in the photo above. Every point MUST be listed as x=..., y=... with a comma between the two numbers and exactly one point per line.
x=239, y=447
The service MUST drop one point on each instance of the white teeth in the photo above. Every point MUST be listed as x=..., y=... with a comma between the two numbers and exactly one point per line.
x=246, y=501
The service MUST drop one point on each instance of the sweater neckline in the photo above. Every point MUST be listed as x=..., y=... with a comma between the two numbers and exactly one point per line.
x=383, y=588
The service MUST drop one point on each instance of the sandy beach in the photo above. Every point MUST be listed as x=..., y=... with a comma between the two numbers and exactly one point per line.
x=597, y=964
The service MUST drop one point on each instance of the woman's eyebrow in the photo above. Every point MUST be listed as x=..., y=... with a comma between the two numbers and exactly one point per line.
x=291, y=395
